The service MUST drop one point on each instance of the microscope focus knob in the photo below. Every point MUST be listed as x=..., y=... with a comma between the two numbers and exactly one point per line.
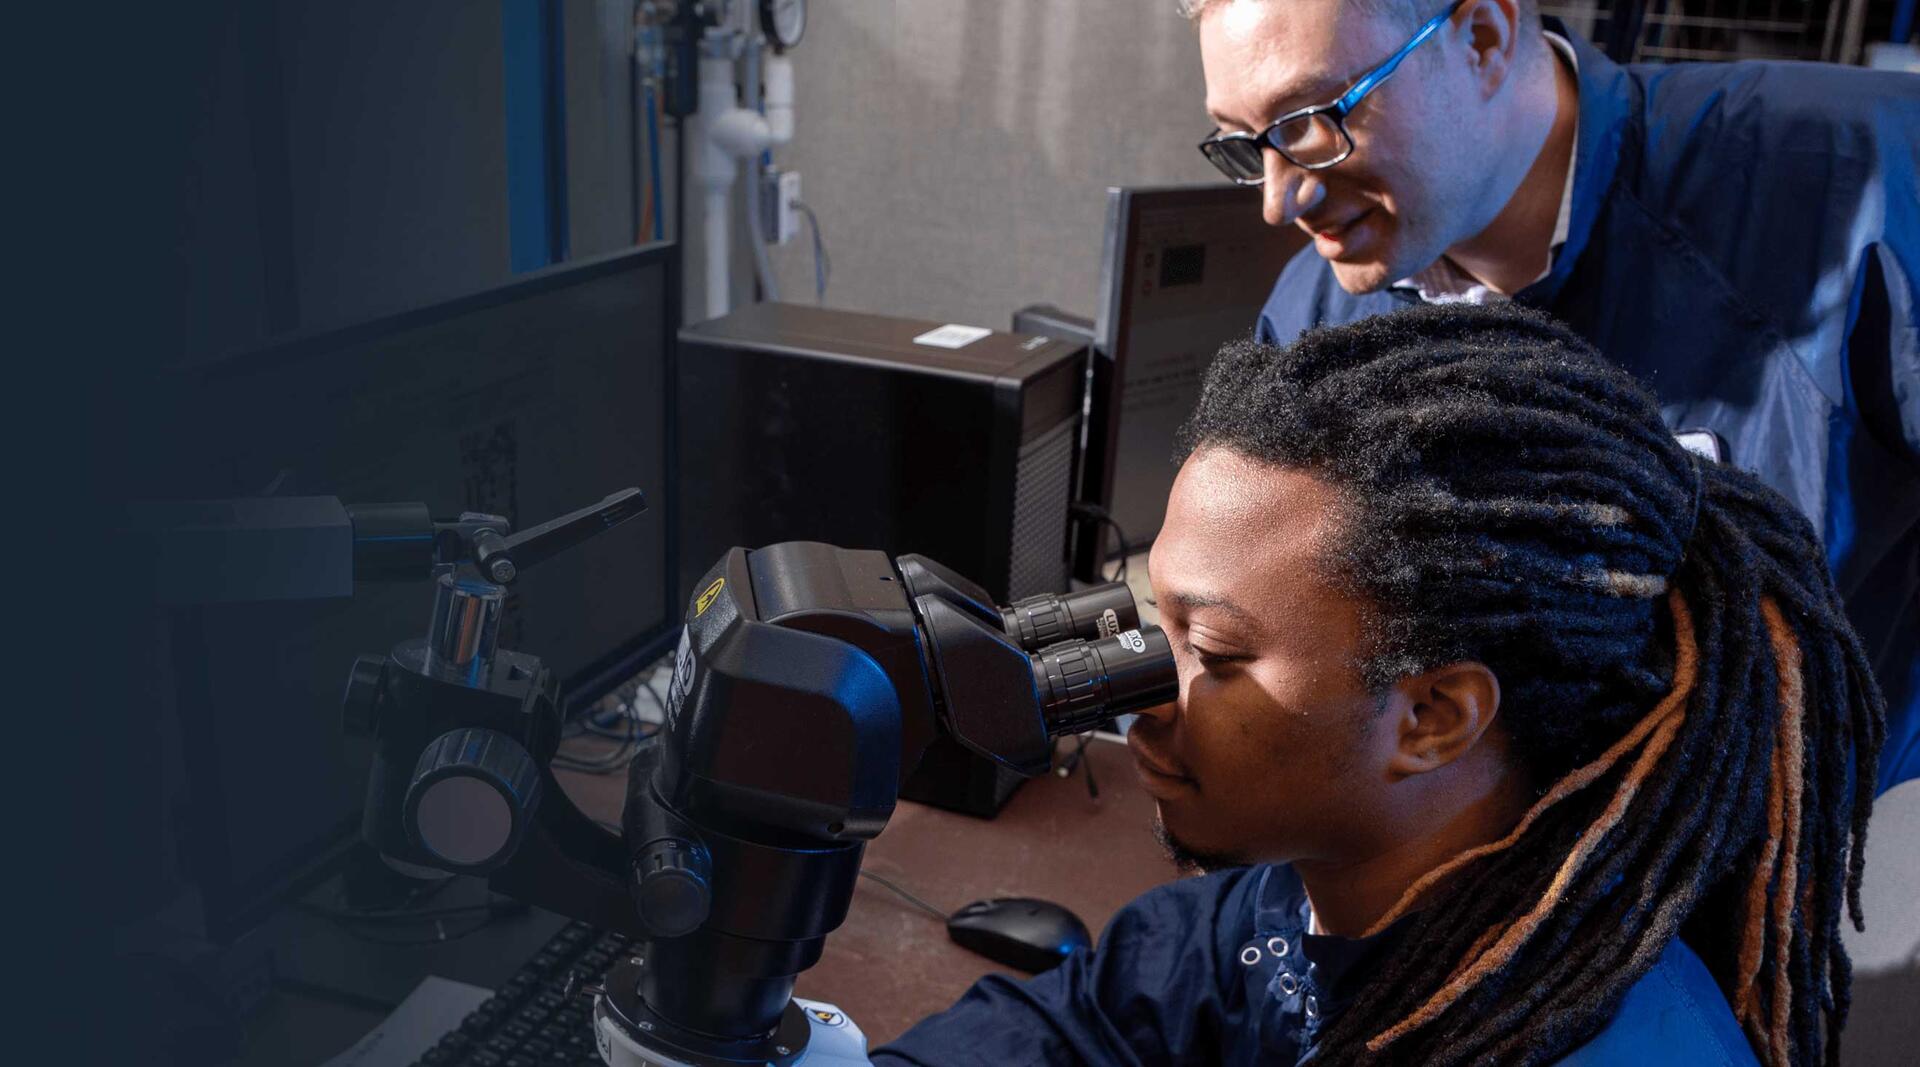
x=472, y=797
x=671, y=886
x=359, y=708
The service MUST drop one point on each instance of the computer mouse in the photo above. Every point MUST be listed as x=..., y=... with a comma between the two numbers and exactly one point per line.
x=1020, y=932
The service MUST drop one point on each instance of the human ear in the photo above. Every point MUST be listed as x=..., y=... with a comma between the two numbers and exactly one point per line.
x=1440, y=715
x=1491, y=30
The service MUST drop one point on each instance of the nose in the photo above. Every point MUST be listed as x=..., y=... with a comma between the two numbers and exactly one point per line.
x=1164, y=711
x=1165, y=714
x=1289, y=191
x=1161, y=714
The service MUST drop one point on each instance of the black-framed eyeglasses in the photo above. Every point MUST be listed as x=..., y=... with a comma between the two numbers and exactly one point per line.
x=1312, y=138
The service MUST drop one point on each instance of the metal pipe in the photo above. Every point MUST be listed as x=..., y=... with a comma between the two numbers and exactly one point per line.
x=465, y=628
x=1855, y=28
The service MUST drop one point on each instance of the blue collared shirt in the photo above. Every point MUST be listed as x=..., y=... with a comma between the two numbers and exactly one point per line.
x=1222, y=970
x=1745, y=239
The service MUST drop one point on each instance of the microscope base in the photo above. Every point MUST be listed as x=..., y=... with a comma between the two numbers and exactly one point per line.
x=833, y=1041
x=810, y=1034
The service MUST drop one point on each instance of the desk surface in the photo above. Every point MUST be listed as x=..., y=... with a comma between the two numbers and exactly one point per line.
x=891, y=964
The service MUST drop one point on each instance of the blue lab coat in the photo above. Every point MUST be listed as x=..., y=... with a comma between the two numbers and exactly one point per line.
x=1745, y=238
x=1220, y=970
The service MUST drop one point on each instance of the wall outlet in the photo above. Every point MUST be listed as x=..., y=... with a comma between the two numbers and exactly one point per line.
x=783, y=219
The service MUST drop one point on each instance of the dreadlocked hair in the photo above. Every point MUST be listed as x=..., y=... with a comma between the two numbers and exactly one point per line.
x=1677, y=679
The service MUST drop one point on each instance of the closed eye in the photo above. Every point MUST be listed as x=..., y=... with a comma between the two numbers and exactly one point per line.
x=1208, y=660
x=1213, y=661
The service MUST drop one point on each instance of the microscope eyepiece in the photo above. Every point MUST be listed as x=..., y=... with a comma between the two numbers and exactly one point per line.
x=1088, y=615
x=1082, y=683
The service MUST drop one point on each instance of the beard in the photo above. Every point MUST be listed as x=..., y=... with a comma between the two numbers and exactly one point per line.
x=1189, y=860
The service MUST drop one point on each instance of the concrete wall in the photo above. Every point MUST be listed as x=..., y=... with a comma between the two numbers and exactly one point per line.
x=957, y=152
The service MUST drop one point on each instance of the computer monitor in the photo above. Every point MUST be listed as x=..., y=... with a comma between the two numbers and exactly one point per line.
x=1184, y=269
x=528, y=401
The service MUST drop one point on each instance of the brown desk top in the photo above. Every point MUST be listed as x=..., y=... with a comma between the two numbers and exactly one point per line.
x=891, y=964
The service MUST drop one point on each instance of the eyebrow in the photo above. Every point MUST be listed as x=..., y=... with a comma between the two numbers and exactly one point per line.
x=1315, y=93
x=1191, y=601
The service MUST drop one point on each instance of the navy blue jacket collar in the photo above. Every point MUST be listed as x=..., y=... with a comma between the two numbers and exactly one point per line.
x=1607, y=104
x=1608, y=101
x=1335, y=968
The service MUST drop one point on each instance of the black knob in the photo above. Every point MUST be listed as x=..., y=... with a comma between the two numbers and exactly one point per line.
x=1050, y=618
x=472, y=795
x=360, y=707
x=1081, y=683
x=671, y=886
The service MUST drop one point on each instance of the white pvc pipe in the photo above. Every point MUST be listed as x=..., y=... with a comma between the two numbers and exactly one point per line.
x=716, y=101
x=716, y=170
x=779, y=99
x=729, y=133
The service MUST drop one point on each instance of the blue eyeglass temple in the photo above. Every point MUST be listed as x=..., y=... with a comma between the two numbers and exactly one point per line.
x=1352, y=97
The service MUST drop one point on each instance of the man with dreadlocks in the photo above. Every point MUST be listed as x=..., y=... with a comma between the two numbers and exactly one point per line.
x=1535, y=726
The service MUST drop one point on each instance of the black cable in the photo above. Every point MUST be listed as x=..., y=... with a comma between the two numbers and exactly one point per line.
x=1078, y=758
x=1124, y=549
x=908, y=897
x=1100, y=515
x=1093, y=787
x=622, y=705
x=614, y=762
x=630, y=737
x=591, y=729
x=822, y=263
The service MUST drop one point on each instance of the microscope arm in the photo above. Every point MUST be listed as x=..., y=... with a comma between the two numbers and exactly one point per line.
x=570, y=864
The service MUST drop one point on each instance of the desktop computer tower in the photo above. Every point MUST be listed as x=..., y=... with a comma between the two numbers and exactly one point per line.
x=803, y=423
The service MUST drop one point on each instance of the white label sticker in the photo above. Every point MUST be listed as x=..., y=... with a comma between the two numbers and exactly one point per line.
x=1132, y=641
x=1109, y=623
x=682, y=677
x=1703, y=443
x=952, y=335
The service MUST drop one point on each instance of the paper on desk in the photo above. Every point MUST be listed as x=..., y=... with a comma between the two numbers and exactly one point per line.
x=434, y=1007
x=952, y=335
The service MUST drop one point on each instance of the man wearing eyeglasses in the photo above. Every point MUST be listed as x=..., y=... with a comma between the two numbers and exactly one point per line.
x=1744, y=237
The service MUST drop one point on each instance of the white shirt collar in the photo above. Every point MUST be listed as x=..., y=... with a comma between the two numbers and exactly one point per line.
x=1445, y=283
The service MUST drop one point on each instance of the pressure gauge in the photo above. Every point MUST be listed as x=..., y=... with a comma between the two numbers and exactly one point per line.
x=783, y=21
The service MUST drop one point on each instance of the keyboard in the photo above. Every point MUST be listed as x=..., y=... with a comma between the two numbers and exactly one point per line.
x=530, y=1021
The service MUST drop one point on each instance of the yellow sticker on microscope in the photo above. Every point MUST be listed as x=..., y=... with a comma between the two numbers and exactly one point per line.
x=707, y=598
